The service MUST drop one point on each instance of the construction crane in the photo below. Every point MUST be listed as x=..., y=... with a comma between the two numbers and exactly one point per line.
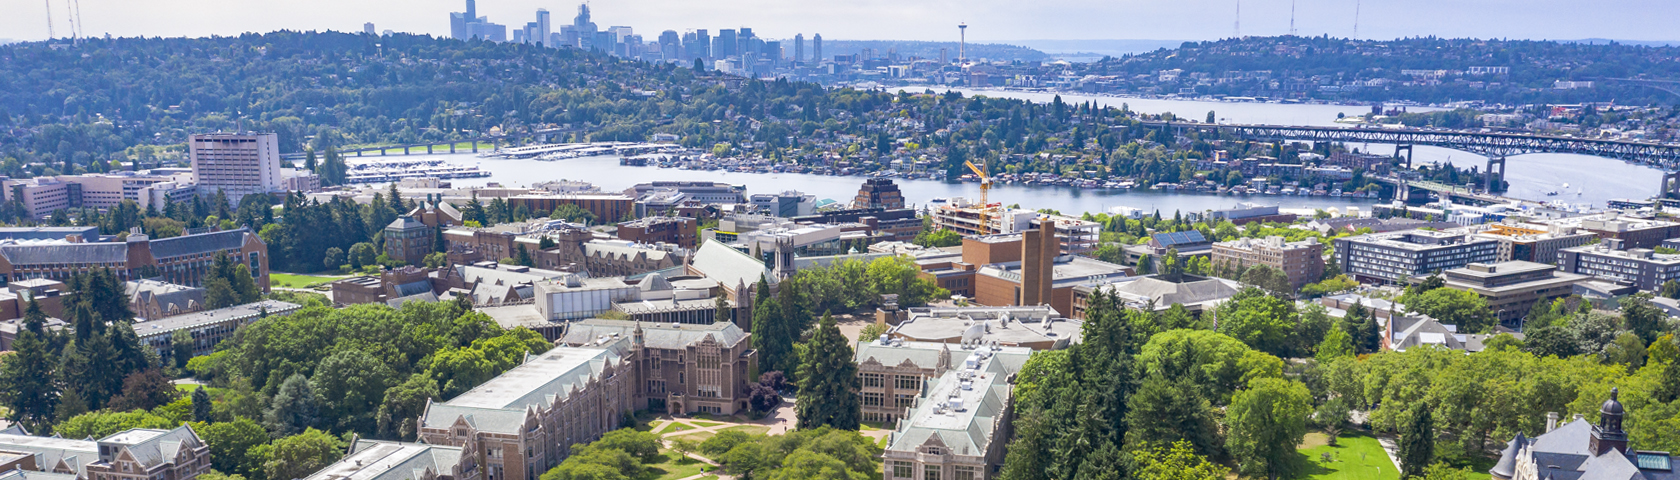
x=986, y=209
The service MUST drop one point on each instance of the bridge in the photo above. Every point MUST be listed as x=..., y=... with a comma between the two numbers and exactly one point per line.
x=1495, y=146
x=407, y=149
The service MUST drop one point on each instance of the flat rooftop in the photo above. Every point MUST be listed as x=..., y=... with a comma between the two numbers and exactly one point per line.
x=1007, y=326
x=251, y=310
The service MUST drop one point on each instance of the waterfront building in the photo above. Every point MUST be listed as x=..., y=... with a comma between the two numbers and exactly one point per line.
x=237, y=164
x=136, y=453
x=701, y=191
x=1511, y=288
x=1640, y=268
x=1399, y=257
x=1302, y=261
x=1076, y=236
x=879, y=193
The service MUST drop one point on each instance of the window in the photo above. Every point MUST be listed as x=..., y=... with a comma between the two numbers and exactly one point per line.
x=934, y=451
x=904, y=401
x=872, y=399
x=873, y=380
x=909, y=382
x=964, y=472
x=931, y=472
x=903, y=470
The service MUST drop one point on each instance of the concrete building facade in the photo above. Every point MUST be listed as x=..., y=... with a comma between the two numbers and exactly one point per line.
x=1302, y=261
x=238, y=164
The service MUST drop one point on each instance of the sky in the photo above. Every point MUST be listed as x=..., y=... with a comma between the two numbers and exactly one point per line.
x=988, y=20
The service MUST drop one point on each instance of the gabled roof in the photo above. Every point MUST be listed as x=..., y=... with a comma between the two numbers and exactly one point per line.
x=499, y=405
x=729, y=266
x=654, y=335
x=196, y=244
x=376, y=460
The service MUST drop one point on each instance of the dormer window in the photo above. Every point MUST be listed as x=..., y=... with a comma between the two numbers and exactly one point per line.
x=934, y=451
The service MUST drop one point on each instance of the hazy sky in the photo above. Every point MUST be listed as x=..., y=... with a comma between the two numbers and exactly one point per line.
x=989, y=20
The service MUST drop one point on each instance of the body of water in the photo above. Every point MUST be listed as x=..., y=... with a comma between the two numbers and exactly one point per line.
x=1591, y=180
x=605, y=172
x=1595, y=179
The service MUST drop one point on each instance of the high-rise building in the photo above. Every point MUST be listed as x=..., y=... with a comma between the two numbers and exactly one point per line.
x=816, y=48
x=669, y=46
x=367, y=28
x=583, y=29
x=468, y=25
x=543, y=28
x=238, y=164
x=701, y=46
x=798, y=48
x=724, y=44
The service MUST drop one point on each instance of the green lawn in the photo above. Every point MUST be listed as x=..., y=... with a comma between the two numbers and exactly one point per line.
x=674, y=467
x=292, y=280
x=748, y=429
x=672, y=427
x=187, y=389
x=706, y=424
x=1356, y=456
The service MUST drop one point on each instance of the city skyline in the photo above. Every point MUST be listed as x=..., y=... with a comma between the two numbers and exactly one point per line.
x=994, y=21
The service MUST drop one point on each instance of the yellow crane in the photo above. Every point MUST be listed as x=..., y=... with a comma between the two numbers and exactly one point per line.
x=985, y=181
x=986, y=211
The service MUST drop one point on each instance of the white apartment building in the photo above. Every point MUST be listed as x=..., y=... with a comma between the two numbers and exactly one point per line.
x=239, y=164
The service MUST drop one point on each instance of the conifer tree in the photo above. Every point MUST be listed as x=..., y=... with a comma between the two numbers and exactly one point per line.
x=1417, y=441
x=828, y=381
x=775, y=347
x=293, y=409
x=30, y=394
x=201, y=406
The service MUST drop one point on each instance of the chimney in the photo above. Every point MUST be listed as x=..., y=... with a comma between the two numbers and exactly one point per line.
x=1551, y=421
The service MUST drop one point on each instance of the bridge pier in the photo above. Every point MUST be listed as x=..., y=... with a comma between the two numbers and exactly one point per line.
x=1494, y=179
x=1670, y=185
x=428, y=149
x=475, y=146
x=358, y=153
x=384, y=152
x=1408, y=149
x=451, y=147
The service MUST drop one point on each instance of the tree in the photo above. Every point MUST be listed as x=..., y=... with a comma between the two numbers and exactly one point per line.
x=1265, y=423
x=828, y=381
x=349, y=384
x=294, y=407
x=404, y=403
x=1643, y=318
x=1176, y=461
x=1417, y=441
x=1671, y=289
x=1173, y=410
x=202, y=408
x=145, y=390
x=181, y=344
x=572, y=213
x=773, y=335
x=1264, y=322
x=299, y=455
x=98, y=424
x=362, y=254
x=1463, y=308
x=30, y=396
x=334, y=257
x=1336, y=345
x=642, y=445
x=231, y=440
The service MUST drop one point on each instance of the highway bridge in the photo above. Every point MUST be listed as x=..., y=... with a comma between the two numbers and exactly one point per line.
x=540, y=135
x=1496, y=146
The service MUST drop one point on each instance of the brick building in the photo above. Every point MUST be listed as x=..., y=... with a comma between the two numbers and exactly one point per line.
x=680, y=231
x=1302, y=261
x=182, y=260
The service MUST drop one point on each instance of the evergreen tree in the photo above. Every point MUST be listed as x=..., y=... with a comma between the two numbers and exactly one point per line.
x=1029, y=456
x=770, y=331
x=201, y=406
x=309, y=160
x=828, y=381
x=724, y=314
x=27, y=373
x=294, y=407
x=1417, y=441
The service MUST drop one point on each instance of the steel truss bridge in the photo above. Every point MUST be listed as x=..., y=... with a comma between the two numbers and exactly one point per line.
x=1495, y=146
